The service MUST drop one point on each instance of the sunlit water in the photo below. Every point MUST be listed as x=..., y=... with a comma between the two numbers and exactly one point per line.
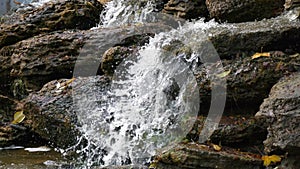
x=120, y=12
x=17, y=157
x=153, y=99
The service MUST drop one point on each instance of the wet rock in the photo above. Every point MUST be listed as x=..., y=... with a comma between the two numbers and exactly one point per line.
x=242, y=133
x=290, y=162
x=57, y=15
x=248, y=82
x=46, y=57
x=280, y=33
x=242, y=11
x=7, y=109
x=128, y=47
x=51, y=112
x=39, y=60
x=10, y=135
x=281, y=112
x=14, y=134
x=186, y=9
x=113, y=57
x=195, y=156
x=18, y=134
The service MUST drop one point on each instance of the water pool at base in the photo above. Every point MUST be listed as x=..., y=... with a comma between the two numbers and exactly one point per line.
x=22, y=159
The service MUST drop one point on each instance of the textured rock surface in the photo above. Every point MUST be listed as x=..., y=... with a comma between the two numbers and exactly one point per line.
x=187, y=9
x=249, y=80
x=242, y=11
x=58, y=15
x=126, y=48
x=52, y=56
x=281, y=110
x=194, y=156
x=51, y=112
x=280, y=33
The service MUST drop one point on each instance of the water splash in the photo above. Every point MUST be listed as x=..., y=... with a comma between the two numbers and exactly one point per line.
x=124, y=12
x=153, y=99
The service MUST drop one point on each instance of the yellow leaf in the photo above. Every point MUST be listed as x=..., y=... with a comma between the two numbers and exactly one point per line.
x=223, y=74
x=257, y=55
x=216, y=147
x=269, y=159
x=18, y=117
x=70, y=81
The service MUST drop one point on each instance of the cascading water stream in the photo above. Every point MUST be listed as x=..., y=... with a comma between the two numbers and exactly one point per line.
x=123, y=12
x=153, y=99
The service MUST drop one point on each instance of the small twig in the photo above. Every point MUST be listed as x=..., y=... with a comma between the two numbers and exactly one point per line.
x=260, y=152
x=5, y=97
x=19, y=104
x=17, y=3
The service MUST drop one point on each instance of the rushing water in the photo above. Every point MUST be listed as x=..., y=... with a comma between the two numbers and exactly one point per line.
x=120, y=12
x=17, y=157
x=153, y=99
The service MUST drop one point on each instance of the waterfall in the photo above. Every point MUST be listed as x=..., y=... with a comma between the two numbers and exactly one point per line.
x=123, y=12
x=153, y=100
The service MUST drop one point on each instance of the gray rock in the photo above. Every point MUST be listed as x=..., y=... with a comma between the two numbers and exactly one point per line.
x=242, y=11
x=51, y=112
x=56, y=15
x=281, y=110
x=194, y=156
x=238, y=39
x=186, y=9
x=46, y=57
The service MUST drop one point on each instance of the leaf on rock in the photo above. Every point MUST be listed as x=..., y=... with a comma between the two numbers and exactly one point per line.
x=258, y=55
x=216, y=147
x=224, y=74
x=18, y=117
x=269, y=159
x=70, y=81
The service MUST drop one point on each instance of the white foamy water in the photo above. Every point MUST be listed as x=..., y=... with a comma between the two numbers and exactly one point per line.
x=124, y=12
x=153, y=99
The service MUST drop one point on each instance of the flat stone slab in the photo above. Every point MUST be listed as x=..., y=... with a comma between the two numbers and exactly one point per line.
x=195, y=156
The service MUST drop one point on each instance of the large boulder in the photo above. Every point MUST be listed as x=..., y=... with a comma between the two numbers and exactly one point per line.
x=186, y=9
x=56, y=15
x=46, y=57
x=195, y=156
x=242, y=11
x=281, y=111
x=51, y=112
x=237, y=39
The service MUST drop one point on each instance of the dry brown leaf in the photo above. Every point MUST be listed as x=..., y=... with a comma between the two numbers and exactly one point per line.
x=216, y=147
x=258, y=55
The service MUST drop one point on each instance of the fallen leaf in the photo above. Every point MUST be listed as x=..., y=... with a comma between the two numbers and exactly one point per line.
x=257, y=55
x=18, y=117
x=223, y=74
x=269, y=159
x=216, y=147
x=60, y=87
x=70, y=81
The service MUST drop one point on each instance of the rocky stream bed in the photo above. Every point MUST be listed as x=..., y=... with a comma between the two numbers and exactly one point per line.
x=40, y=46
